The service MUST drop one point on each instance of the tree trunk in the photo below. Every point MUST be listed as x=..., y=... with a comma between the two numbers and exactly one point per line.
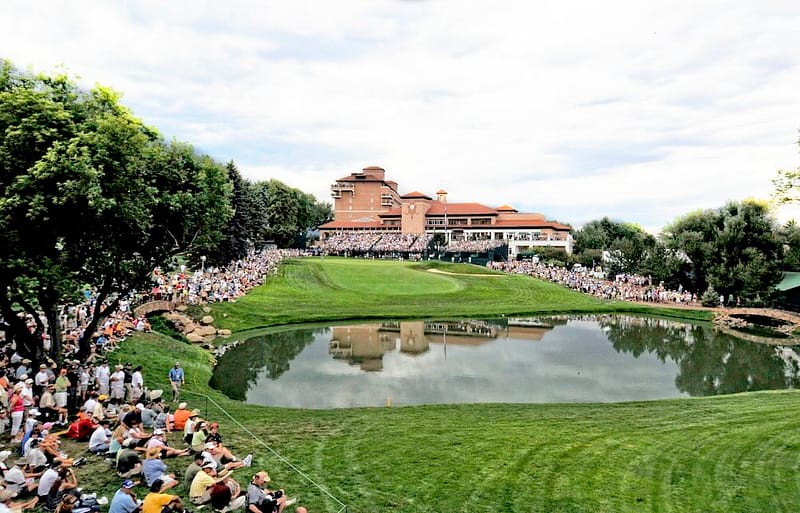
x=54, y=330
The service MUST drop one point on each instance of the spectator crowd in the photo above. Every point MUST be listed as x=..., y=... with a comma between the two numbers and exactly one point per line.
x=110, y=411
x=625, y=287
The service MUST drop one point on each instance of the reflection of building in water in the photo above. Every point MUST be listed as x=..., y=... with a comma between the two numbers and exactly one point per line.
x=361, y=345
x=533, y=328
x=365, y=345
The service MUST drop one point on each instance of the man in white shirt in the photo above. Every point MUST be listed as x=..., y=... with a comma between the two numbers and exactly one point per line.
x=101, y=438
x=88, y=406
x=41, y=378
x=46, y=482
x=118, y=385
x=102, y=375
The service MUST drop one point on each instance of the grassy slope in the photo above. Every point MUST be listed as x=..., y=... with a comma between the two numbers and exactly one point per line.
x=335, y=288
x=728, y=454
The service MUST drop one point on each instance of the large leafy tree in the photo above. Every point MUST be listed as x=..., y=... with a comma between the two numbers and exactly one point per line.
x=625, y=246
x=90, y=195
x=734, y=249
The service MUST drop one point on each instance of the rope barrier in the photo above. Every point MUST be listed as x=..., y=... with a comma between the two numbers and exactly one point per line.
x=342, y=506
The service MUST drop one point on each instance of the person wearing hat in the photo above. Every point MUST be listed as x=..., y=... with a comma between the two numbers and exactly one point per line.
x=41, y=379
x=204, y=481
x=188, y=427
x=17, y=480
x=160, y=440
x=124, y=500
x=156, y=500
x=47, y=405
x=23, y=369
x=262, y=500
x=154, y=469
x=213, y=452
x=102, y=376
x=180, y=417
x=199, y=434
x=117, y=382
x=27, y=393
x=6, y=497
x=176, y=381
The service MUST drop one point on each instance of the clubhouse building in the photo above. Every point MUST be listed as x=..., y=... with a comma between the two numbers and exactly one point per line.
x=367, y=202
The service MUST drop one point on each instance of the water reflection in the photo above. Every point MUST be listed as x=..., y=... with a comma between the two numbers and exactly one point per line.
x=543, y=359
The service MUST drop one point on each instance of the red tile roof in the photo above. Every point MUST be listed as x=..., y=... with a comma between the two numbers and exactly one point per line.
x=345, y=225
x=415, y=195
x=460, y=209
x=529, y=223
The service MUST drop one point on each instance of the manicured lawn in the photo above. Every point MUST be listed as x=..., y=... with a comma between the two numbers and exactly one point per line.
x=724, y=454
x=719, y=454
x=337, y=288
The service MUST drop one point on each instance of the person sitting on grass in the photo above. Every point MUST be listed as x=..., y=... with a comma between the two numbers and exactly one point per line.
x=159, y=440
x=17, y=480
x=162, y=420
x=128, y=463
x=6, y=500
x=156, y=500
x=194, y=467
x=101, y=438
x=124, y=500
x=154, y=470
x=223, y=458
x=203, y=483
x=262, y=500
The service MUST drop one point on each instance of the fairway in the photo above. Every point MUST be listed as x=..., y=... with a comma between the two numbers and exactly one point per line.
x=313, y=289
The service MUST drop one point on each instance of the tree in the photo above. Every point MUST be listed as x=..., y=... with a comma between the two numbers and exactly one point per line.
x=733, y=249
x=625, y=245
x=92, y=196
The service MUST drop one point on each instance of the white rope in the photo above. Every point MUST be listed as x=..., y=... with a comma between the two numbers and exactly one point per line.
x=273, y=451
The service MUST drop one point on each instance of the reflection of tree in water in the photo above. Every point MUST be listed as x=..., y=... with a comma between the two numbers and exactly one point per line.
x=239, y=367
x=710, y=362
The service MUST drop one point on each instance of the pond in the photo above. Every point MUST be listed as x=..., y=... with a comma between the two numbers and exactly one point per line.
x=589, y=358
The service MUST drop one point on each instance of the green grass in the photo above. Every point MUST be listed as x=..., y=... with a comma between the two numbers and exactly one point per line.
x=726, y=454
x=722, y=454
x=308, y=290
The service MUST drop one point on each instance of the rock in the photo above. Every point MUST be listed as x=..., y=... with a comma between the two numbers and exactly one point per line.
x=204, y=331
x=224, y=315
x=188, y=327
x=206, y=309
x=181, y=308
x=210, y=338
x=194, y=338
x=207, y=319
x=224, y=333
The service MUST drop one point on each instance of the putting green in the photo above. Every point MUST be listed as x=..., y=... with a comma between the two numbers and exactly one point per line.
x=382, y=277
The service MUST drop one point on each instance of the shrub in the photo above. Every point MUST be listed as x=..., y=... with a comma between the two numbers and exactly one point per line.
x=710, y=297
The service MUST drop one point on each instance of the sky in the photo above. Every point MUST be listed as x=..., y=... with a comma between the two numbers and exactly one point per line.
x=640, y=111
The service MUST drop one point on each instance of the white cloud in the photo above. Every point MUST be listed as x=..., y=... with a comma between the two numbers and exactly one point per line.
x=640, y=111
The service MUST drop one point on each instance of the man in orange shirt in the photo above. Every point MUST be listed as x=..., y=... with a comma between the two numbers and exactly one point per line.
x=181, y=416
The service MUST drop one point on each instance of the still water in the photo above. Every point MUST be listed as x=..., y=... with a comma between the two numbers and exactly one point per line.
x=601, y=358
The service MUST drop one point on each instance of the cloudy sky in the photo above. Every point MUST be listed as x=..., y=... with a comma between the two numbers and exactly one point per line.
x=641, y=111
